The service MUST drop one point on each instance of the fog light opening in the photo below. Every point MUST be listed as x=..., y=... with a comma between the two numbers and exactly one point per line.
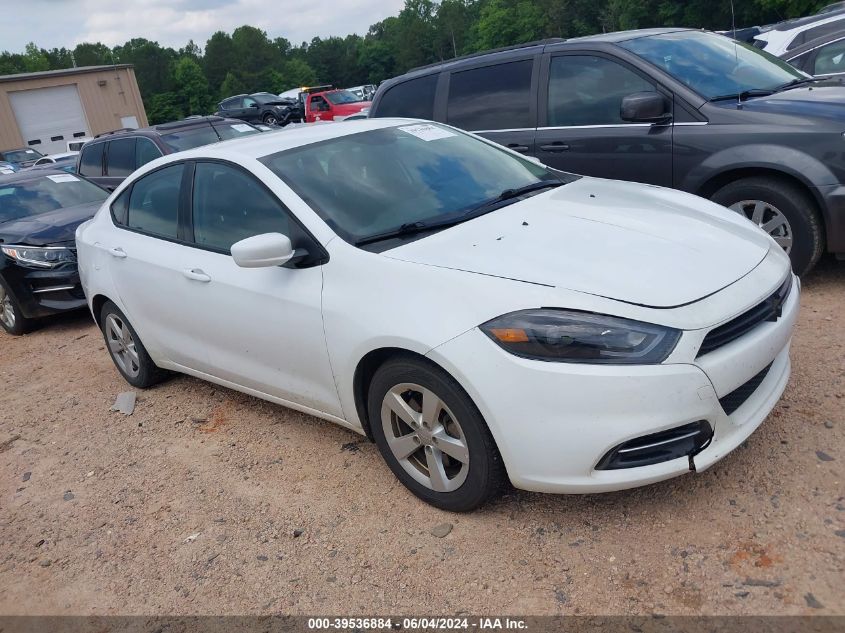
x=682, y=441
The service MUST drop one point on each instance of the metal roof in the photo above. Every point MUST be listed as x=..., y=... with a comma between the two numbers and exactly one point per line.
x=46, y=74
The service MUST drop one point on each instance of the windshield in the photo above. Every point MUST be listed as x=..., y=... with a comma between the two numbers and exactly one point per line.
x=206, y=135
x=374, y=182
x=21, y=155
x=713, y=65
x=27, y=198
x=338, y=97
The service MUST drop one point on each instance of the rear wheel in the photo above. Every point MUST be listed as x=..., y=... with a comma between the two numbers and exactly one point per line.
x=784, y=211
x=11, y=317
x=432, y=436
x=126, y=350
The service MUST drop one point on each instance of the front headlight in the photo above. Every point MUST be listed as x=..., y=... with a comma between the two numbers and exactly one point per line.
x=40, y=256
x=581, y=337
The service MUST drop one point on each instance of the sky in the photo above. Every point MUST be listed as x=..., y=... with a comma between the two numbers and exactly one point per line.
x=58, y=23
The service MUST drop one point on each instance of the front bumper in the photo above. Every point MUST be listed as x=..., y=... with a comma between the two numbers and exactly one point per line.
x=553, y=422
x=42, y=292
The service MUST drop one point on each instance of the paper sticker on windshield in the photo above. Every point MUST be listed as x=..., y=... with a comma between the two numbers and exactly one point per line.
x=63, y=178
x=6, y=171
x=242, y=127
x=427, y=132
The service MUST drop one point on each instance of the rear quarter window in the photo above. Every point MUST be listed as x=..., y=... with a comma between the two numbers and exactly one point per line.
x=91, y=161
x=413, y=98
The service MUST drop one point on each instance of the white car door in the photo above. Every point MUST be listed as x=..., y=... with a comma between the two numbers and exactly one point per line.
x=262, y=328
x=147, y=265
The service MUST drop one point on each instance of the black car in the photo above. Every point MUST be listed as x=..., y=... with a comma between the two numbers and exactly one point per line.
x=112, y=156
x=39, y=212
x=22, y=157
x=261, y=107
x=673, y=107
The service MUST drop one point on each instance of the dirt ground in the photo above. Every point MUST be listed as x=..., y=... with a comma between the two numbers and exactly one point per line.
x=206, y=501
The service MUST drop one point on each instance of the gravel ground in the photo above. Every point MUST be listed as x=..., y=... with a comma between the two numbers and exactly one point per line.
x=207, y=501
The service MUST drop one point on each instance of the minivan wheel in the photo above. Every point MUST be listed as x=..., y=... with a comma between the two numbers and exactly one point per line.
x=126, y=350
x=432, y=436
x=784, y=211
x=11, y=318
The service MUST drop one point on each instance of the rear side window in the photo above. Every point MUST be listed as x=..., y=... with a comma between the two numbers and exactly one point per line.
x=413, y=99
x=491, y=98
x=154, y=202
x=120, y=157
x=830, y=59
x=91, y=162
x=145, y=151
x=230, y=205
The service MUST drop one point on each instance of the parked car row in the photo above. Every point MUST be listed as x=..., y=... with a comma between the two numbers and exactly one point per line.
x=673, y=107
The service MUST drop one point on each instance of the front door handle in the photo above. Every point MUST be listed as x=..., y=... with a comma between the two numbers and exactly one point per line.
x=117, y=252
x=522, y=149
x=555, y=147
x=196, y=274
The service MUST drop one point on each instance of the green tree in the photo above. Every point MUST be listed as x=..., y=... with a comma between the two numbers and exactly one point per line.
x=297, y=73
x=153, y=64
x=97, y=54
x=35, y=59
x=163, y=107
x=219, y=59
x=193, y=86
x=232, y=85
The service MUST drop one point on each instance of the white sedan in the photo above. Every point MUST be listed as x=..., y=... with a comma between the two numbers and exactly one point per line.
x=481, y=317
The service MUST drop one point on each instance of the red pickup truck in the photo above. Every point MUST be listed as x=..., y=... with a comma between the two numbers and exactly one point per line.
x=331, y=105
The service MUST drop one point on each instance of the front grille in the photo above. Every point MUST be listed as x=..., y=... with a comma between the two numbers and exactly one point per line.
x=664, y=446
x=768, y=310
x=736, y=398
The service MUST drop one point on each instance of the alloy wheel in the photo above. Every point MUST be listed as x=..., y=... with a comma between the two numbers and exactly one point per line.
x=425, y=437
x=270, y=120
x=769, y=218
x=122, y=346
x=7, y=310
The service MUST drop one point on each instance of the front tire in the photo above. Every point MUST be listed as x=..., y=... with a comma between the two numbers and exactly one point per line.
x=270, y=119
x=432, y=436
x=126, y=350
x=783, y=210
x=11, y=317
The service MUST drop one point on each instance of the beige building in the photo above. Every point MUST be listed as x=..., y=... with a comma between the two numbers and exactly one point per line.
x=46, y=110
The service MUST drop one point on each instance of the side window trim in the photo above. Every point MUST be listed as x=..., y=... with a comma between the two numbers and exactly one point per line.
x=319, y=257
x=543, y=88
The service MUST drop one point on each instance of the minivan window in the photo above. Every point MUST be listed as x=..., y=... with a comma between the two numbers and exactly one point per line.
x=830, y=59
x=154, y=202
x=413, y=99
x=91, y=162
x=588, y=90
x=230, y=205
x=145, y=151
x=491, y=98
x=120, y=157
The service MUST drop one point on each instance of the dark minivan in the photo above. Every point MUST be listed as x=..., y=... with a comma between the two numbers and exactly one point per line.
x=679, y=108
x=112, y=156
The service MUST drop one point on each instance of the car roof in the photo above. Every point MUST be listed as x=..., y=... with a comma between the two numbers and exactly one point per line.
x=257, y=146
x=165, y=128
x=812, y=44
x=32, y=174
x=789, y=25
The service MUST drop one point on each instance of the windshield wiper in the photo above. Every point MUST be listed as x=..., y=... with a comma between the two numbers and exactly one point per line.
x=411, y=228
x=797, y=83
x=745, y=94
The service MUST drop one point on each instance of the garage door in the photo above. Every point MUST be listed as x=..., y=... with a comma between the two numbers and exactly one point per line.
x=49, y=117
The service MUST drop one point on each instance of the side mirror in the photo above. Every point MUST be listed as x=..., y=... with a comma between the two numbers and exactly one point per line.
x=261, y=251
x=644, y=107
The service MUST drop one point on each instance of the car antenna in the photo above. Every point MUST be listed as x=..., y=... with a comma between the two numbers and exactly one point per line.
x=736, y=53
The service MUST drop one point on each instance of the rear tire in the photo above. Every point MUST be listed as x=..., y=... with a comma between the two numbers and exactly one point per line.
x=767, y=200
x=440, y=447
x=11, y=318
x=126, y=350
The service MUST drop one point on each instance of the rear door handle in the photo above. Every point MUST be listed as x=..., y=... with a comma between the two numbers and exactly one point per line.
x=522, y=149
x=196, y=274
x=555, y=147
x=117, y=252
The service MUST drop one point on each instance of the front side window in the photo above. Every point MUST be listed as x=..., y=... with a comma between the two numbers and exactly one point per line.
x=830, y=60
x=91, y=162
x=154, y=202
x=145, y=151
x=491, y=98
x=249, y=102
x=588, y=90
x=120, y=157
x=318, y=103
x=712, y=65
x=413, y=99
x=230, y=205
x=34, y=196
x=373, y=182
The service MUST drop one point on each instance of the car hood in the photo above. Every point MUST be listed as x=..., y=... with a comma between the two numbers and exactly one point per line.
x=638, y=244
x=53, y=227
x=824, y=100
